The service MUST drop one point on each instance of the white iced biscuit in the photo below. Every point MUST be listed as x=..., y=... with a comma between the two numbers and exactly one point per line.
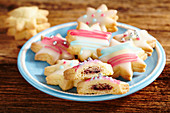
x=55, y=73
x=140, y=38
x=106, y=18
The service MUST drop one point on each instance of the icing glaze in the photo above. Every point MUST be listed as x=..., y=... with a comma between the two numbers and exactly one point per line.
x=56, y=50
x=55, y=73
x=89, y=38
x=90, y=34
x=55, y=46
x=54, y=41
x=138, y=37
x=116, y=48
x=123, y=58
x=104, y=77
x=102, y=15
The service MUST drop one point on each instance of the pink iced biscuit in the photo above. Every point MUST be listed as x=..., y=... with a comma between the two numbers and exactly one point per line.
x=51, y=49
x=140, y=38
x=90, y=34
x=124, y=58
x=85, y=40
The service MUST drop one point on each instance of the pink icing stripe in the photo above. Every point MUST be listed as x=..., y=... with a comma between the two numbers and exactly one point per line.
x=90, y=34
x=60, y=46
x=108, y=78
x=76, y=67
x=58, y=50
x=123, y=58
x=49, y=41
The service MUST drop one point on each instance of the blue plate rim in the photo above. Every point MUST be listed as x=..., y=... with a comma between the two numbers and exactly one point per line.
x=69, y=96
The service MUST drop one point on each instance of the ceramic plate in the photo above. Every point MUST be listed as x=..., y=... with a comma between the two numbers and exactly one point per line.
x=33, y=70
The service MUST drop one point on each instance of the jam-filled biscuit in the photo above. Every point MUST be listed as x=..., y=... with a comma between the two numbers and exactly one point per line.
x=140, y=38
x=102, y=85
x=85, y=40
x=106, y=18
x=88, y=69
x=124, y=58
x=51, y=49
x=55, y=73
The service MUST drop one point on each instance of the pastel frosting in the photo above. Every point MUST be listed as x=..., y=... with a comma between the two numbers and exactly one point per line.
x=90, y=40
x=102, y=15
x=104, y=77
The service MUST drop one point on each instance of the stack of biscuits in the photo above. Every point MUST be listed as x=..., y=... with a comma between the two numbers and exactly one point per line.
x=25, y=22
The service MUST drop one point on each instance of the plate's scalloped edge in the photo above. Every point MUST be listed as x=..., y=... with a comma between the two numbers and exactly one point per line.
x=77, y=97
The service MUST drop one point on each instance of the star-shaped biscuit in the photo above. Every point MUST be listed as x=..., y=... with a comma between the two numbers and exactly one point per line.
x=85, y=40
x=51, y=49
x=27, y=33
x=26, y=18
x=106, y=18
x=140, y=38
x=55, y=73
x=125, y=58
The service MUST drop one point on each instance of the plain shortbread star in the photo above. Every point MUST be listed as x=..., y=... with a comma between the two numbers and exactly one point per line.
x=26, y=18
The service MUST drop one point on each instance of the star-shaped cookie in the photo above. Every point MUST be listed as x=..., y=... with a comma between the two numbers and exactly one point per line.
x=106, y=18
x=27, y=33
x=125, y=58
x=26, y=18
x=55, y=73
x=140, y=38
x=85, y=40
x=51, y=49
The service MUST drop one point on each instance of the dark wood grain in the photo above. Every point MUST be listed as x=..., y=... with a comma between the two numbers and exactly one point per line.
x=17, y=95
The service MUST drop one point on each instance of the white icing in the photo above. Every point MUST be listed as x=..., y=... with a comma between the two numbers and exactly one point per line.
x=102, y=15
x=57, y=78
x=51, y=52
x=143, y=38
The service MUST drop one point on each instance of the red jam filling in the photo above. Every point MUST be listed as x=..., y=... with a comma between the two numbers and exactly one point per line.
x=100, y=86
x=92, y=70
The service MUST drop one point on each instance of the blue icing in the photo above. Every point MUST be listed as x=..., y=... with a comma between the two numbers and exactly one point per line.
x=61, y=67
x=71, y=64
x=112, y=49
x=99, y=10
x=79, y=42
x=94, y=20
x=81, y=52
x=85, y=16
x=88, y=48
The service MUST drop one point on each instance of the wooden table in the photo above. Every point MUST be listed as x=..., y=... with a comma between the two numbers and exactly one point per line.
x=17, y=95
